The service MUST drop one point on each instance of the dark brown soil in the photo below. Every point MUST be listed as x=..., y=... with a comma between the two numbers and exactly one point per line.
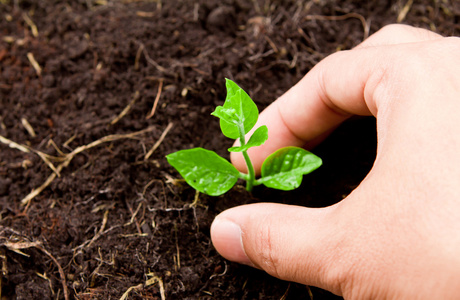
x=116, y=224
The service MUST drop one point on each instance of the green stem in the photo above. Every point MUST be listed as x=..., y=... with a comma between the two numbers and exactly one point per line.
x=251, y=176
x=251, y=173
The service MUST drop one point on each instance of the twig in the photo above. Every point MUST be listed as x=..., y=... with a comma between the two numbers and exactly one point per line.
x=160, y=140
x=196, y=199
x=147, y=186
x=133, y=216
x=295, y=57
x=44, y=157
x=126, y=109
x=286, y=293
x=138, y=57
x=14, y=145
x=272, y=44
x=20, y=245
x=68, y=158
x=61, y=271
x=4, y=270
x=310, y=293
x=402, y=14
x=100, y=233
x=43, y=276
x=85, y=244
x=145, y=14
x=366, y=26
x=308, y=40
x=222, y=274
x=96, y=270
x=52, y=143
x=177, y=248
x=24, y=244
x=154, y=280
x=31, y=24
x=28, y=127
x=9, y=39
x=2, y=125
x=151, y=61
x=157, y=98
x=136, y=287
x=34, y=63
x=101, y=230
x=37, y=191
x=70, y=140
x=133, y=235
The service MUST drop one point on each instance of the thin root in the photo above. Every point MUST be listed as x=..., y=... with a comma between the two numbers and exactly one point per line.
x=157, y=98
x=34, y=63
x=126, y=109
x=366, y=25
x=28, y=127
x=68, y=158
x=154, y=280
x=14, y=145
x=151, y=281
x=136, y=287
x=196, y=200
x=31, y=24
x=160, y=140
x=24, y=244
x=403, y=13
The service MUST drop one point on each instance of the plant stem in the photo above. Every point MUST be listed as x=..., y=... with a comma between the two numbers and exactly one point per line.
x=251, y=173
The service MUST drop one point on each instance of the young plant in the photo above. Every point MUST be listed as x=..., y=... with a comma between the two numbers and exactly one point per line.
x=213, y=175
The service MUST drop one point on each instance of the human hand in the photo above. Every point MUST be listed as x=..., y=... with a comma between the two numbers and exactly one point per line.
x=396, y=236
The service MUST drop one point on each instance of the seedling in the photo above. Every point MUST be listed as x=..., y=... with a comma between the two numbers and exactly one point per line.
x=213, y=175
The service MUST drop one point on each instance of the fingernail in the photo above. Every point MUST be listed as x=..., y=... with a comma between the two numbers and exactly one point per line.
x=227, y=239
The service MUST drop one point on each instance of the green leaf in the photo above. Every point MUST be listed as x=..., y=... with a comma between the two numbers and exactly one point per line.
x=258, y=138
x=238, y=111
x=204, y=170
x=285, y=168
x=226, y=114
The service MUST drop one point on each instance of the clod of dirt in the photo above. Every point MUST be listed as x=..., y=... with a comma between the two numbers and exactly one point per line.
x=33, y=289
x=4, y=184
x=77, y=47
x=222, y=19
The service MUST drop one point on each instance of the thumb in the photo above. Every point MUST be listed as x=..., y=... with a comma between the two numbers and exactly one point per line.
x=283, y=240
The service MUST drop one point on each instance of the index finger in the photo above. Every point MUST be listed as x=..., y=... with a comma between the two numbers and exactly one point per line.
x=338, y=87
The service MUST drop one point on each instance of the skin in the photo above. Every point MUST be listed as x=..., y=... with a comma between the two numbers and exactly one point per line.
x=396, y=236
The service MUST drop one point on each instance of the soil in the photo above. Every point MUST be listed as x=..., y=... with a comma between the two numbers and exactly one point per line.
x=95, y=93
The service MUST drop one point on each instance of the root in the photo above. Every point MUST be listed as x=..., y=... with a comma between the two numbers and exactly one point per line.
x=151, y=281
x=136, y=287
x=366, y=25
x=160, y=140
x=33, y=27
x=68, y=158
x=28, y=127
x=126, y=109
x=16, y=244
x=402, y=14
x=14, y=145
x=101, y=231
x=157, y=98
x=34, y=63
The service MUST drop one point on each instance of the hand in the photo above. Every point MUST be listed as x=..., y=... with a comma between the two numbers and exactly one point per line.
x=396, y=236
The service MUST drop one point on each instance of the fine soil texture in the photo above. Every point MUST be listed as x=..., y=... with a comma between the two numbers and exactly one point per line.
x=95, y=93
